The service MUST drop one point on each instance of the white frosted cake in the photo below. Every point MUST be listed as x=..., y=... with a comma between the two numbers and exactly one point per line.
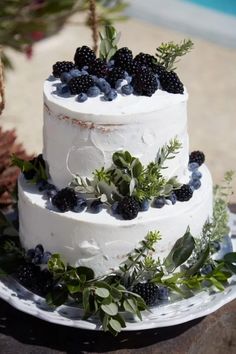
x=82, y=137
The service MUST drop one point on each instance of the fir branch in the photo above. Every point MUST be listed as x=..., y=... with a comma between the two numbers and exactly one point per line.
x=167, y=53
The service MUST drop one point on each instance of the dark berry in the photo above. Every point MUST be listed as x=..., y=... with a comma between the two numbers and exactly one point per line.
x=197, y=156
x=111, y=95
x=195, y=184
x=193, y=166
x=143, y=59
x=144, y=205
x=170, y=82
x=114, y=75
x=98, y=67
x=115, y=208
x=44, y=283
x=163, y=292
x=84, y=56
x=148, y=291
x=144, y=82
x=65, y=199
x=62, y=67
x=128, y=208
x=123, y=58
x=30, y=253
x=158, y=69
x=96, y=206
x=184, y=193
x=39, y=249
x=26, y=274
x=80, y=84
x=172, y=197
x=81, y=204
x=206, y=269
x=45, y=258
x=159, y=202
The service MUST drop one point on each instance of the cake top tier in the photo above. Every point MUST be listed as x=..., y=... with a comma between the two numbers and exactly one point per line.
x=123, y=109
x=117, y=75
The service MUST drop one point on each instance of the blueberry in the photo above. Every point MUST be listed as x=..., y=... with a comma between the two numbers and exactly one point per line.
x=128, y=79
x=225, y=247
x=163, y=293
x=206, y=269
x=50, y=193
x=111, y=95
x=95, y=78
x=93, y=91
x=104, y=86
x=144, y=205
x=39, y=250
x=215, y=245
x=84, y=72
x=159, y=202
x=65, y=77
x=45, y=258
x=85, y=67
x=195, y=183
x=196, y=174
x=30, y=253
x=115, y=208
x=81, y=204
x=62, y=89
x=192, y=166
x=82, y=97
x=96, y=206
x=118, y=83
x=37, y=259
x=75, y=73
x=127, y=89
x=42, y=185
x=172, y=198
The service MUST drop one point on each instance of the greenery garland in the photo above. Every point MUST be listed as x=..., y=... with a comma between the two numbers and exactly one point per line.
x=110, y=295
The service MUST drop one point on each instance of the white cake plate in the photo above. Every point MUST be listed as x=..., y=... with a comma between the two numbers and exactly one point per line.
x=165, y=315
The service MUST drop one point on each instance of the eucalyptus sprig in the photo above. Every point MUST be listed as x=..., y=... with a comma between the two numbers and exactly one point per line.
x=109, y=41
x=167, y=53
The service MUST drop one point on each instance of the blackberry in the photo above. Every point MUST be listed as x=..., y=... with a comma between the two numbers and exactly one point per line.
x=128, y=208
x=158, y=69
x=170, y=82
x=62, y=67
x=98, y=67
x=123, y=58
x=148, y=291
x=143, y=59
x=144, y=82
x=114, y=75
x=27, y=274
x=84, y=56
x=65, y=199
x=44, y=283
x=184, y=193
x=197, y=156
x=80, y=84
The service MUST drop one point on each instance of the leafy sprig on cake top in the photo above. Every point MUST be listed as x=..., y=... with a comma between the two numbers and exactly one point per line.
x=118, y=71
x=125, y=189
x=141, y=280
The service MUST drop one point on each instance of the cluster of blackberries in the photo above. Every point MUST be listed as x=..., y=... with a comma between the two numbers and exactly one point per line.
x=89, y=76
x=33, y=278
x=151, y=293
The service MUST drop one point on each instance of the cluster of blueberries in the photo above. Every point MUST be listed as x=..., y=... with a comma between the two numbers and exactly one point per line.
x=101, y=85
x=37, y=255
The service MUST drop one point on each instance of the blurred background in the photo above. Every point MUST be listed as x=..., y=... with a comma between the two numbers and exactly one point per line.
x=35, y=34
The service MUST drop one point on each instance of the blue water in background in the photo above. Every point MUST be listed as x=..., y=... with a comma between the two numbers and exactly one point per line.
x=226, y=6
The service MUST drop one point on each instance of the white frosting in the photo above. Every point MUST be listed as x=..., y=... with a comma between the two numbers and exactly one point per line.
x=85, y=135
x=101, y=241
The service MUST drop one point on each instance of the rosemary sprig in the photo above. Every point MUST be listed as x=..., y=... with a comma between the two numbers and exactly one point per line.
x=167, y=53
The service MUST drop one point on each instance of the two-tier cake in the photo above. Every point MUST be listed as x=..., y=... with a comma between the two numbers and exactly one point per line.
x=99, y=201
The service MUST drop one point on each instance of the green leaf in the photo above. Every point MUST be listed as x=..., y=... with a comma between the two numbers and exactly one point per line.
x=130, y=305
x=200, y=262
x=230, y=257
x=88, y=272
x=180, y=252
x=216, y=283
x=86, y=294
x=115, y=325
x=102, y=292
x=58, y=296
x=137, y=168
x=115, y=293
x=111, y=309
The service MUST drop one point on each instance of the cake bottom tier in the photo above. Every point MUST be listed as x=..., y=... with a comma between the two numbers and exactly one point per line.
x=102, y=241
